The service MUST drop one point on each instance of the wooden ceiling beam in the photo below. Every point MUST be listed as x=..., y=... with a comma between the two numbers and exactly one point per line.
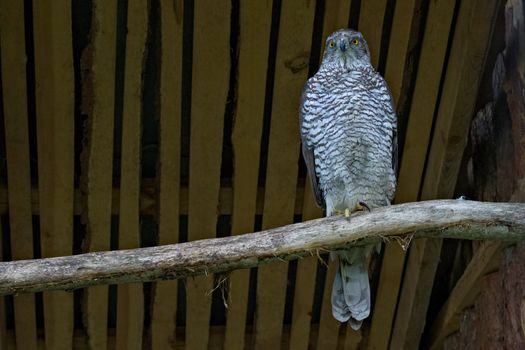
x=465, y=66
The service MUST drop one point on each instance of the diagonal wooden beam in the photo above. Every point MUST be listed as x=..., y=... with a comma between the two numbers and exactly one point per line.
x=393, y=256
x=434, y=44
x=464, y=293
x=465, y=66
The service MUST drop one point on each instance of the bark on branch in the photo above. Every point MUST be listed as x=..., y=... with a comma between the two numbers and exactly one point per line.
x=431, y=219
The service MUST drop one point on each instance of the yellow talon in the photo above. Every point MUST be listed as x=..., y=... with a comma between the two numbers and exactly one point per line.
x=347, y=212
x=359, y=207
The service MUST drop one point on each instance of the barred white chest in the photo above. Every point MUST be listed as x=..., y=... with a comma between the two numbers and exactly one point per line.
x=347, y=119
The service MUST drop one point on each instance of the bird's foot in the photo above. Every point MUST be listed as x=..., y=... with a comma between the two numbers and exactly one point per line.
x=346, y=212
x=360, y=206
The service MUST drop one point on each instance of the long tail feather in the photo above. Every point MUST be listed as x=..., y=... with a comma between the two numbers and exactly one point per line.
x=351, y=289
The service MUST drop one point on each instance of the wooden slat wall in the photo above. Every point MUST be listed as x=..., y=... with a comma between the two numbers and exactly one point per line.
x=291, y=69
x=55, y=136
x=130, y=299
x=147, y=203
x=12, y=42
x=394, y=255
x=165, y=293
x=456, y=108
x=336, y=16
x=56, y=200
x=211, y=43
x=98, y=156
x=254, y=40
x=216, y=332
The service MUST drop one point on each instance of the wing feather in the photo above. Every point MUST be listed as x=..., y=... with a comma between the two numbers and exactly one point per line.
x=309, y=154
x=309, y=158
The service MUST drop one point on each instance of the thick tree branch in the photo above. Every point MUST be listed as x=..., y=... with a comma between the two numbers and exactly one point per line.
x=443, y=219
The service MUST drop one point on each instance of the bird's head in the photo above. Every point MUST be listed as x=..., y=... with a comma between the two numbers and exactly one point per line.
x=346, y=49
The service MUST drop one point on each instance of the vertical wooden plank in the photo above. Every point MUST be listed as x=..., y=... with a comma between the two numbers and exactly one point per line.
x=371, y=18
x=328, y=325
x=130, y=299
x=304, y=282
x=386, y=296
x=456, y=108
x=420, y=255
x=12, y=41
x=165, y=293
x=336, y=16
x=97, y=177
x=291, y=68
x=394, y=255
x=399, y=45
x=254, y=40
x=210, y=75
x=353, y=338
x=55, y=139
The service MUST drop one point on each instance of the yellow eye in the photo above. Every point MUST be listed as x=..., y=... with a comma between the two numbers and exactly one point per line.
x=331, y=44
x=355, y=41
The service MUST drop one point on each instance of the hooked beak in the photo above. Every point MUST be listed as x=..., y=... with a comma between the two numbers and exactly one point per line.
x=342, y=45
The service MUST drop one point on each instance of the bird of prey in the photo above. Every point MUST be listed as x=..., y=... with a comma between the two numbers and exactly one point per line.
x=349, y=143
